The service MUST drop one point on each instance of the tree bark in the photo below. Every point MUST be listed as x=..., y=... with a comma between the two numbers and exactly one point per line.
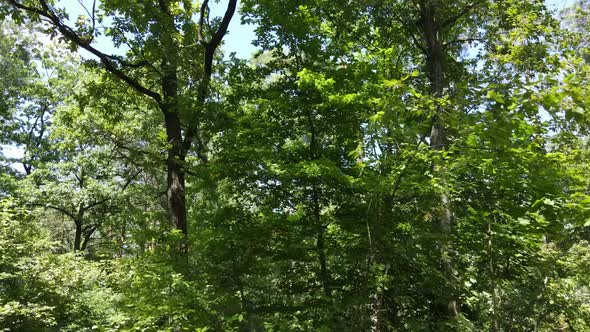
x=170, y=108
x=175, y=173
x=89, y=232
x=434, y=62
x=78, y=236
x=320, y=245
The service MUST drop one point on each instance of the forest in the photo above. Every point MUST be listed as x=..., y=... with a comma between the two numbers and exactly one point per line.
x=367, y=165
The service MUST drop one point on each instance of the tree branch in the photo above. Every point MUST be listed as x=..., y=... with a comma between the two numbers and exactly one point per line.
x=210, y=47
x=125, y=185
x=60, y=209
x=71, y=35
x=451, y=20
x=130, y=179
x=125, y=63
x=411, y=34
x=92, y=15
x=90, y=231
x=204, y=9
x=229, y=13
x=96, y=203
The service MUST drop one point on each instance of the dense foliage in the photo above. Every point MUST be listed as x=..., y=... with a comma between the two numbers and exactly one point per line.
x=417, y=165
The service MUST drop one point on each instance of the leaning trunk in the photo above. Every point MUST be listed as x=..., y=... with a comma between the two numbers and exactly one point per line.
x=89, y=232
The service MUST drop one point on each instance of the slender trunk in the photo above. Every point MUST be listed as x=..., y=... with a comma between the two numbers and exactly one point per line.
x=122, y=240
x=376, y=317
x=321, y=246
x=381, y=316
x=495, y=326
x=316, y=210
x=491, y=199
x=435, y=58
x=79, y=220
x=367, y=291
x=384, y=314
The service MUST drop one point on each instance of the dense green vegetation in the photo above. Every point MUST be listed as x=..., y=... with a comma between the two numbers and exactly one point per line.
x=386, y=165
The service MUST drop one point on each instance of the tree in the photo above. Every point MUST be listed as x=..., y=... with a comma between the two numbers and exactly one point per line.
x=421, y=88
x=376, y=166
x=35, y=75
x=164, y=41
x=40, y=289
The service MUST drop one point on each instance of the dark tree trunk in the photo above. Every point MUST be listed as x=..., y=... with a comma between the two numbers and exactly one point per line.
x=88, y=236
x=172, y=123
x=79, y=218
x=176, y=173
x=78, y=236
x=321, y=247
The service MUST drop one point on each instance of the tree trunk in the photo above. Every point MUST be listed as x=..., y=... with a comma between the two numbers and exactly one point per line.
x=176, y=173
x=78, y=236
x=495, y=321
x=88, y=236
x=172, y=123
x=321, y=242
x=434, y=59
x=168, y=100
x=324, y=274
x=316, y=210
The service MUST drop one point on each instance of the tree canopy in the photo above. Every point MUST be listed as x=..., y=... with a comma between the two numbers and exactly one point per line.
x=388, y=165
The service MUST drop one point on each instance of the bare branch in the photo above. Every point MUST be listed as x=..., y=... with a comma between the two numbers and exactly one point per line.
x=92, y=14
x=130, y=180
x=204, y=9
x=229, y=13
x=96, y=203
x=412, y=35
x=210, y=47
x=123, y=188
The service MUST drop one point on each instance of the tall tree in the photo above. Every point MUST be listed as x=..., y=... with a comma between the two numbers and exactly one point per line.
x=163, y=39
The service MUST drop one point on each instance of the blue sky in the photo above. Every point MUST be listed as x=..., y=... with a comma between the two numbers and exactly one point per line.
x=239, y=38
x=559, y=4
